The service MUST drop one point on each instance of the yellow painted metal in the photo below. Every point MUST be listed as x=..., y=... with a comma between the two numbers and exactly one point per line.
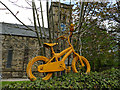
x=50, y=44
x=84, y=60
x=49, y=75
x=67, y=54
x=52, y=67
x=62, y=37
x=58, y=55
x=58, y=65
x=29, y=67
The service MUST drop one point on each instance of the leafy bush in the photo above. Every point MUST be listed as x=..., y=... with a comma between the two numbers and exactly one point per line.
x=106, y=79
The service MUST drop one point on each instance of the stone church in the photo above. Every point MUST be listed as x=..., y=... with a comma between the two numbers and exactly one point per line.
x=64, y=13
x=19, y=45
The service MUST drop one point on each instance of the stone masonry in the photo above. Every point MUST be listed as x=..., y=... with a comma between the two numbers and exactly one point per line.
x=23, y=47
x=19, y=58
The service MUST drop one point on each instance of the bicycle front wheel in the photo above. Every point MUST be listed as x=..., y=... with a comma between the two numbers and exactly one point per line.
x=77, y=66
x=32, y=68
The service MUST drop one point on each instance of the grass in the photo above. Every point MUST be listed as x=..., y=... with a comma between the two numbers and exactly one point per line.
x=13, y=82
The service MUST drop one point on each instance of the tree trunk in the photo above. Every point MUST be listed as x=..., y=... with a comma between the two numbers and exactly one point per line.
x=41, y=37
x=59, y=19
x=52, y=21
x=70, y=37
x=43, y=27
x=80, y=24
x=50, y=40
x=35, y=24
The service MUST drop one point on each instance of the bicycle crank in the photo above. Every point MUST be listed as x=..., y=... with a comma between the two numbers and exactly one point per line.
x=52, y=67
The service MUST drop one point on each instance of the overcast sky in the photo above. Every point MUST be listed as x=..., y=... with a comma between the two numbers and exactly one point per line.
x=23, y=11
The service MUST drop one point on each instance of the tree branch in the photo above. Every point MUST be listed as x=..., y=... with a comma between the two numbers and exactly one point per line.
x=47, y=6
x=16, y=16
x=116, y=19
x=43, y=22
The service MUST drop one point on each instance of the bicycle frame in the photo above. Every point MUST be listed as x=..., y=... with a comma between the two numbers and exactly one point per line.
x=58, y=55
x=58, y=65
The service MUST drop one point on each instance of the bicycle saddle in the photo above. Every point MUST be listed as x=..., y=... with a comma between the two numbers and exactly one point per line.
x=50, y=44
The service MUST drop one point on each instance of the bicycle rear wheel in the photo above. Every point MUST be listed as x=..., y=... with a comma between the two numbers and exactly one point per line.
x=77, y=66
x=32, y=68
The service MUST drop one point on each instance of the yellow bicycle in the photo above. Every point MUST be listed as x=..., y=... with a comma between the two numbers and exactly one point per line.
x=48, y=66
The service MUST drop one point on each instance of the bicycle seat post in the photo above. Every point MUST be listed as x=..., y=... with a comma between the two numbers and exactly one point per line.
x=53, y=52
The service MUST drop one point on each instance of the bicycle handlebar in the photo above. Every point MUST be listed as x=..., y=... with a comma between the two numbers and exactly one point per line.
x=71, y=31
x=63, y=37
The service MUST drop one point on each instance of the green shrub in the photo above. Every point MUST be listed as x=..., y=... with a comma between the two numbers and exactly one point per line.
x=106, y=79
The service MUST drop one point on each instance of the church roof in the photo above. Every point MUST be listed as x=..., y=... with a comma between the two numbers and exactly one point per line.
x=19, y=30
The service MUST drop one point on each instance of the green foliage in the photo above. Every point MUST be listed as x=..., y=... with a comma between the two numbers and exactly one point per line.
x=97, y=44
x=106, y=79
x=98, y=48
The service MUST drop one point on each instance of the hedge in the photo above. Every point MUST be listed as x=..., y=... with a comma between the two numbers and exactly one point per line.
x=95, y=80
